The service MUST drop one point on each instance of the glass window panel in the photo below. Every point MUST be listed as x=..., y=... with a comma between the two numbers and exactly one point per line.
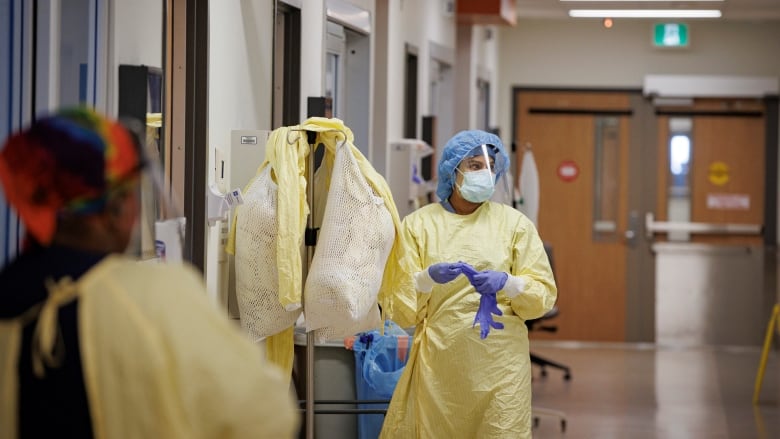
x=606, y=178
x=74, y=53
x=332, y=81
x=680, y=152
x=483, y=105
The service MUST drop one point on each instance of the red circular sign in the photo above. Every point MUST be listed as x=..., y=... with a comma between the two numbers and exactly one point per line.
x=568, y=170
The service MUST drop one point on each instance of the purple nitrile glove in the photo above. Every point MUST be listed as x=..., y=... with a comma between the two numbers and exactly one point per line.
x=489, y=282
x=487, y=307
x=467, y=270
x=444, y=272
x=487, y=304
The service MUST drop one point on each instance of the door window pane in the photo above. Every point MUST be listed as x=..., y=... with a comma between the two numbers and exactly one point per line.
x=74, y=68
x=680, y=149
x=606, y=178
x=332, y=81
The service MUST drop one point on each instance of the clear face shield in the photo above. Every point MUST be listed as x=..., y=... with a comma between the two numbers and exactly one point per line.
x=478, y=169
x=160, y=229
x=488, y=162
x=159, y=232
x=481, y=158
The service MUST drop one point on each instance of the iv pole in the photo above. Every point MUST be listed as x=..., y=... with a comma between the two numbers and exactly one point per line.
x=311, y=242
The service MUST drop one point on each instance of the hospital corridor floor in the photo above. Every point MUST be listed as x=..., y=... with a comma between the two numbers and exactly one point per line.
x=642, y=391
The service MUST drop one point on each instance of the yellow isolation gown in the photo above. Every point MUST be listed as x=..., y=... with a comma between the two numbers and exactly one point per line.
x=455, y=384
x=158, y=360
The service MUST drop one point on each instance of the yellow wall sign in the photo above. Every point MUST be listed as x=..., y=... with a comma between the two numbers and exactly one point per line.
x=718, y=173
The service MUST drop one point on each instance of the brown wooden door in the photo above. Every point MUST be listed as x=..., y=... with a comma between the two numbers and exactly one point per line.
x=580, y=143
x=727, y=169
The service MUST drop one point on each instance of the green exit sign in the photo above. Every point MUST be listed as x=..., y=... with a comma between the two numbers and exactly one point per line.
x=670, y=35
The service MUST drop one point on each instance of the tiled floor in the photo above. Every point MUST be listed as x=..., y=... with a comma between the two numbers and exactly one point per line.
x=637, y=391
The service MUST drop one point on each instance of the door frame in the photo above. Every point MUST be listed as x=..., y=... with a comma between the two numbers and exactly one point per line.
x=640, y=269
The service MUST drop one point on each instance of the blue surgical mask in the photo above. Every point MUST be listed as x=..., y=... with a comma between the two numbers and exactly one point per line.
x=478, y=186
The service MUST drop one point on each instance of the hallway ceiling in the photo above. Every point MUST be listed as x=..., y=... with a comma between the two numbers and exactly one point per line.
x=732, y=9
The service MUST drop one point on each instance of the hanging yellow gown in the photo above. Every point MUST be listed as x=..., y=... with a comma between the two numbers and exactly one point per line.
x=287, y=151
x=455, y=384
x=158, y=360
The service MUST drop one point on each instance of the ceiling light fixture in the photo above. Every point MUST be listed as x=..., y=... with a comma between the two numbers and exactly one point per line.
x=645, y=13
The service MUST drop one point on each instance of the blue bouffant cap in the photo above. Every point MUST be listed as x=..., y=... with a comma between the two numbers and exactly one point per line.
x=463, y=145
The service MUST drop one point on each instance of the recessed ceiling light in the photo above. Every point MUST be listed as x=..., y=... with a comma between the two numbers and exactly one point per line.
x=645, y=13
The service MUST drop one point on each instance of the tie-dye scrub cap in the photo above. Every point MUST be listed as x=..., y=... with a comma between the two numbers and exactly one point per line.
x=67, y=162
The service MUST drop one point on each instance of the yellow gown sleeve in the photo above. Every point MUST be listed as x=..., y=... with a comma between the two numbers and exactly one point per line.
x=194, y=374
x=531, y=263
x=410, y=306
x=10, y=347
x=289, y=168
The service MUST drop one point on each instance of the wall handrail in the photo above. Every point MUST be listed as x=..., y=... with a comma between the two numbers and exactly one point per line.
x=652, y=227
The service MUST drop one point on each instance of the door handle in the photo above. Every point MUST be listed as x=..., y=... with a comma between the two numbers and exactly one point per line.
x=653, y=226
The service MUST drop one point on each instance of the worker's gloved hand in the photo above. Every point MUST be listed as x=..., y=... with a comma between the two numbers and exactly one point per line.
x=444, y=272
x=487, y=307
x=468, y=271
x=489, y=282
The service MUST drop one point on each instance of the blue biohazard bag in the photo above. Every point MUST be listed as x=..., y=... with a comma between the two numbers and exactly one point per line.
x=379, y=362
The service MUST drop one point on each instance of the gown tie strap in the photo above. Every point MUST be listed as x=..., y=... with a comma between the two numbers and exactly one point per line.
x=48, y=347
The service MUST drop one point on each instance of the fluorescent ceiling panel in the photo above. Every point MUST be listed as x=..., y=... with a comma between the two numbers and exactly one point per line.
x=645, y=13
x=643, y=1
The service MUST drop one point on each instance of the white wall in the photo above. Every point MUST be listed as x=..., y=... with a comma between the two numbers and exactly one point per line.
x=240, y=78
x=137, y=39
x=427, y=24
x=313, y=20
x=240, y=55
x=582, y=53
x=396, y=60
x=47, y=57
x=485, y=65
x=415, y=23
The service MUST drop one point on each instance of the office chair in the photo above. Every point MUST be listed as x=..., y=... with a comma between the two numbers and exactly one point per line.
x=538, y=325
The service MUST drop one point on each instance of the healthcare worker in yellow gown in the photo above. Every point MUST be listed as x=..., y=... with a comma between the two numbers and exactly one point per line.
x=467, y=378
x=97, y=344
